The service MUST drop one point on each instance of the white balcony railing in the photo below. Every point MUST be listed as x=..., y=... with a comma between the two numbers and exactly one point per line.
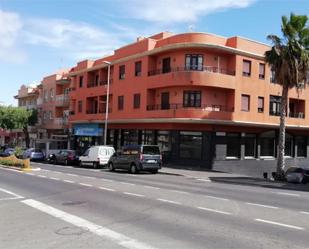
x=62, y=99
x=60, y=121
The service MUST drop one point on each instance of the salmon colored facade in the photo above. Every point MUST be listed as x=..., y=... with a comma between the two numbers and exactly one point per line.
x=206, y=100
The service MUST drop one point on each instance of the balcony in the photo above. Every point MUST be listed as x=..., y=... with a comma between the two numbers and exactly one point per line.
x=60, y=121
x=63, y=81
x=100, y=83
x=62, y=100
x=291, y=114
x=200, y=112
x=98, y=111
x=198, y=76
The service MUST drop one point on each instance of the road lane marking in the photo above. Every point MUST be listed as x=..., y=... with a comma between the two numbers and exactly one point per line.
x=69, y=174
x=10, y=198
x=261, y=205
x=42, y=176
x=68, y=181
x=85, y=184
x=203, y=180
x=303, y=212
x=151, y=187
x=217, y=198
x=280, y=224
x=31, y=174
x=89, y=177
x=101, y=231
x=288, y=194
x=169, y=201
x=108, y=189
x=133, y=194
x=16, y=196
x=54, y=178
x=214, y=210
x=179, y=192
x=127, y=183
x=107, y=180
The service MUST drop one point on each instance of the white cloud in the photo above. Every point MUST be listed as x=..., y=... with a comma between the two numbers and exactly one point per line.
x=179, y=10
x=10, y=26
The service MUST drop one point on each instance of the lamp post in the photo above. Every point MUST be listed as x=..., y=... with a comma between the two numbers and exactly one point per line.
x=107, y=100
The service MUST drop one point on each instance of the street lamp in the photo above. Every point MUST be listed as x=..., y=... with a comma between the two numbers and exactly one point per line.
x=107, y=100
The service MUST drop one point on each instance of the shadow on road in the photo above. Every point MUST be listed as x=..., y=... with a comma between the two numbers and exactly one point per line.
x=250, y=181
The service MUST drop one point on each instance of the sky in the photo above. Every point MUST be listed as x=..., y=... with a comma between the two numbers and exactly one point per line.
x=38, y=37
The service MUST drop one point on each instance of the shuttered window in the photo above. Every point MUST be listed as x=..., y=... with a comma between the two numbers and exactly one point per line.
x=261, y=104
x=245, y=102
x=246, y=71
x=262, y=71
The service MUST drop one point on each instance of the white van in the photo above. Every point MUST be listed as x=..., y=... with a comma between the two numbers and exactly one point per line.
x=96, y=156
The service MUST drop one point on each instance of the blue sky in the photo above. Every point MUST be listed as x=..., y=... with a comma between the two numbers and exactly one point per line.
x=38, y=37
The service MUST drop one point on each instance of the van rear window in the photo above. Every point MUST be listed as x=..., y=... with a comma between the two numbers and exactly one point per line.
x=151, y=150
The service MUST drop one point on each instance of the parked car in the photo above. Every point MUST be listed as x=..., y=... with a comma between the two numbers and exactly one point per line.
x=66, y=157
x=96, y=156
x=34, y=154
x=137, y=158
x=7, y=152
x=297, y=175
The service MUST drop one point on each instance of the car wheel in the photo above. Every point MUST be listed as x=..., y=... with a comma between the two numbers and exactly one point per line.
x=80, y=164
x=54, y=161
x=111, y=167
x=133, y=169
x=154, y=171
x=95, y=165
x=66, y=162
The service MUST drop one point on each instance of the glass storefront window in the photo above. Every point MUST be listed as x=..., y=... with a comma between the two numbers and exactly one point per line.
x=301, y=142
x=250, y=145
x=288, y=145
x=130, y=137
x=190, y=146
x=232, y=145
x=147, y=137
x=163, y=140
x=267, y=143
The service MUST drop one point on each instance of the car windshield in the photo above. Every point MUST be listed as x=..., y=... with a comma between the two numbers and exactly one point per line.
x=37, y=150
x=151, y=150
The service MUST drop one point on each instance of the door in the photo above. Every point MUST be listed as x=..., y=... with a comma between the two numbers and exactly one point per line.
x=85, y=157
x=166, y=65
x=165, y=100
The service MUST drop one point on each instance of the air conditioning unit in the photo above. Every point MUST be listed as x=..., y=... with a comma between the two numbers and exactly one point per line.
x=301, y=115
x=301, y=85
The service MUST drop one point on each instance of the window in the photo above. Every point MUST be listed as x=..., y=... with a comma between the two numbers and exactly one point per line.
x=138, y=68
x=192, y=98
x=51, y=94
x=80, y=106
x=288, y=151
x=166, y=67
x=232, y=145
x=137, y=101
x=245, y=102
x=249, y=140
x=261, y=71
x=301, y=143
x=120, y=102
x=260, y=104
x=190, y=146
x=267, y=143
x=96, y=80
x=273, y=76
x=194, y=62
x=246, y=68
x=81, y=78
x=122, y=72
x=274, y=105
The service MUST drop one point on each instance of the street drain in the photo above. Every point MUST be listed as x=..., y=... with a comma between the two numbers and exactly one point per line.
x=73, y=203
x=67, y=231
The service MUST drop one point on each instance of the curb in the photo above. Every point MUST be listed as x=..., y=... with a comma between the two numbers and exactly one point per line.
x=20, y=169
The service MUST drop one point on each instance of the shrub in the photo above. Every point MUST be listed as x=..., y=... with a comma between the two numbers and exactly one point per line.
x=13, y=161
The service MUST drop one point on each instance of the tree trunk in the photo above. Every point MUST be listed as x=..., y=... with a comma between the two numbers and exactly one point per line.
x=281, y=147
x=27, y=139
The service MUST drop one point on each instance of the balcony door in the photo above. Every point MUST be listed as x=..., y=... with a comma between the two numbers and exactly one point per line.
x=166, y=65
x=165, y=100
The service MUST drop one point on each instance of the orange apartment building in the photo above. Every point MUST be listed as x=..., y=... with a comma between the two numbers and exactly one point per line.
x=208, y=101
x=53, y=106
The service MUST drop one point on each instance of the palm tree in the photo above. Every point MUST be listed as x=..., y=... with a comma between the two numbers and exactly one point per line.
x=289, y=58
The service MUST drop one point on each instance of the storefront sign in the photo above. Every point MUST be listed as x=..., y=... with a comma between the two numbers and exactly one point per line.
x=91, y=130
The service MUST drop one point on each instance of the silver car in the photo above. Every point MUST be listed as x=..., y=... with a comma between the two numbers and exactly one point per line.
x=297, y=175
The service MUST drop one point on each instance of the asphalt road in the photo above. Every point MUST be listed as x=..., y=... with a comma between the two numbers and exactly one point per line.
x=66, y=207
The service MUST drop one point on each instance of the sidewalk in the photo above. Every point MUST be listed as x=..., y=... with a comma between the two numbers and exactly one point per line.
x=229, y=178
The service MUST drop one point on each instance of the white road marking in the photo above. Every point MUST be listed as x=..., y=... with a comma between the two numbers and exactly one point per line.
x=151, y=187
x=31, y=174
x=68, y=181
x=9, y=198
x=89, y=177
x=54, y=178
x=203, y=180
x=108, y=189
x=261, y=205
x=280, y=224
x=138, y=195
x=303, y=212
x=16, y=196
x=173, y=202
x=214, y=210
x=42, y=176
x=107, y=180
x=286, y=193
x=85, y=184
x=69, y=174
x=101, y=231
x=179, y=192
x=127, y=183
x=217, y=198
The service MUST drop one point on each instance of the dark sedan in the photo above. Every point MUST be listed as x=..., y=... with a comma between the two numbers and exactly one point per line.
x=66, y=157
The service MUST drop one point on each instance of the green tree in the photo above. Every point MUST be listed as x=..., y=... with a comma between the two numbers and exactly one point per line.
x=18, y=118
x=289, y=58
